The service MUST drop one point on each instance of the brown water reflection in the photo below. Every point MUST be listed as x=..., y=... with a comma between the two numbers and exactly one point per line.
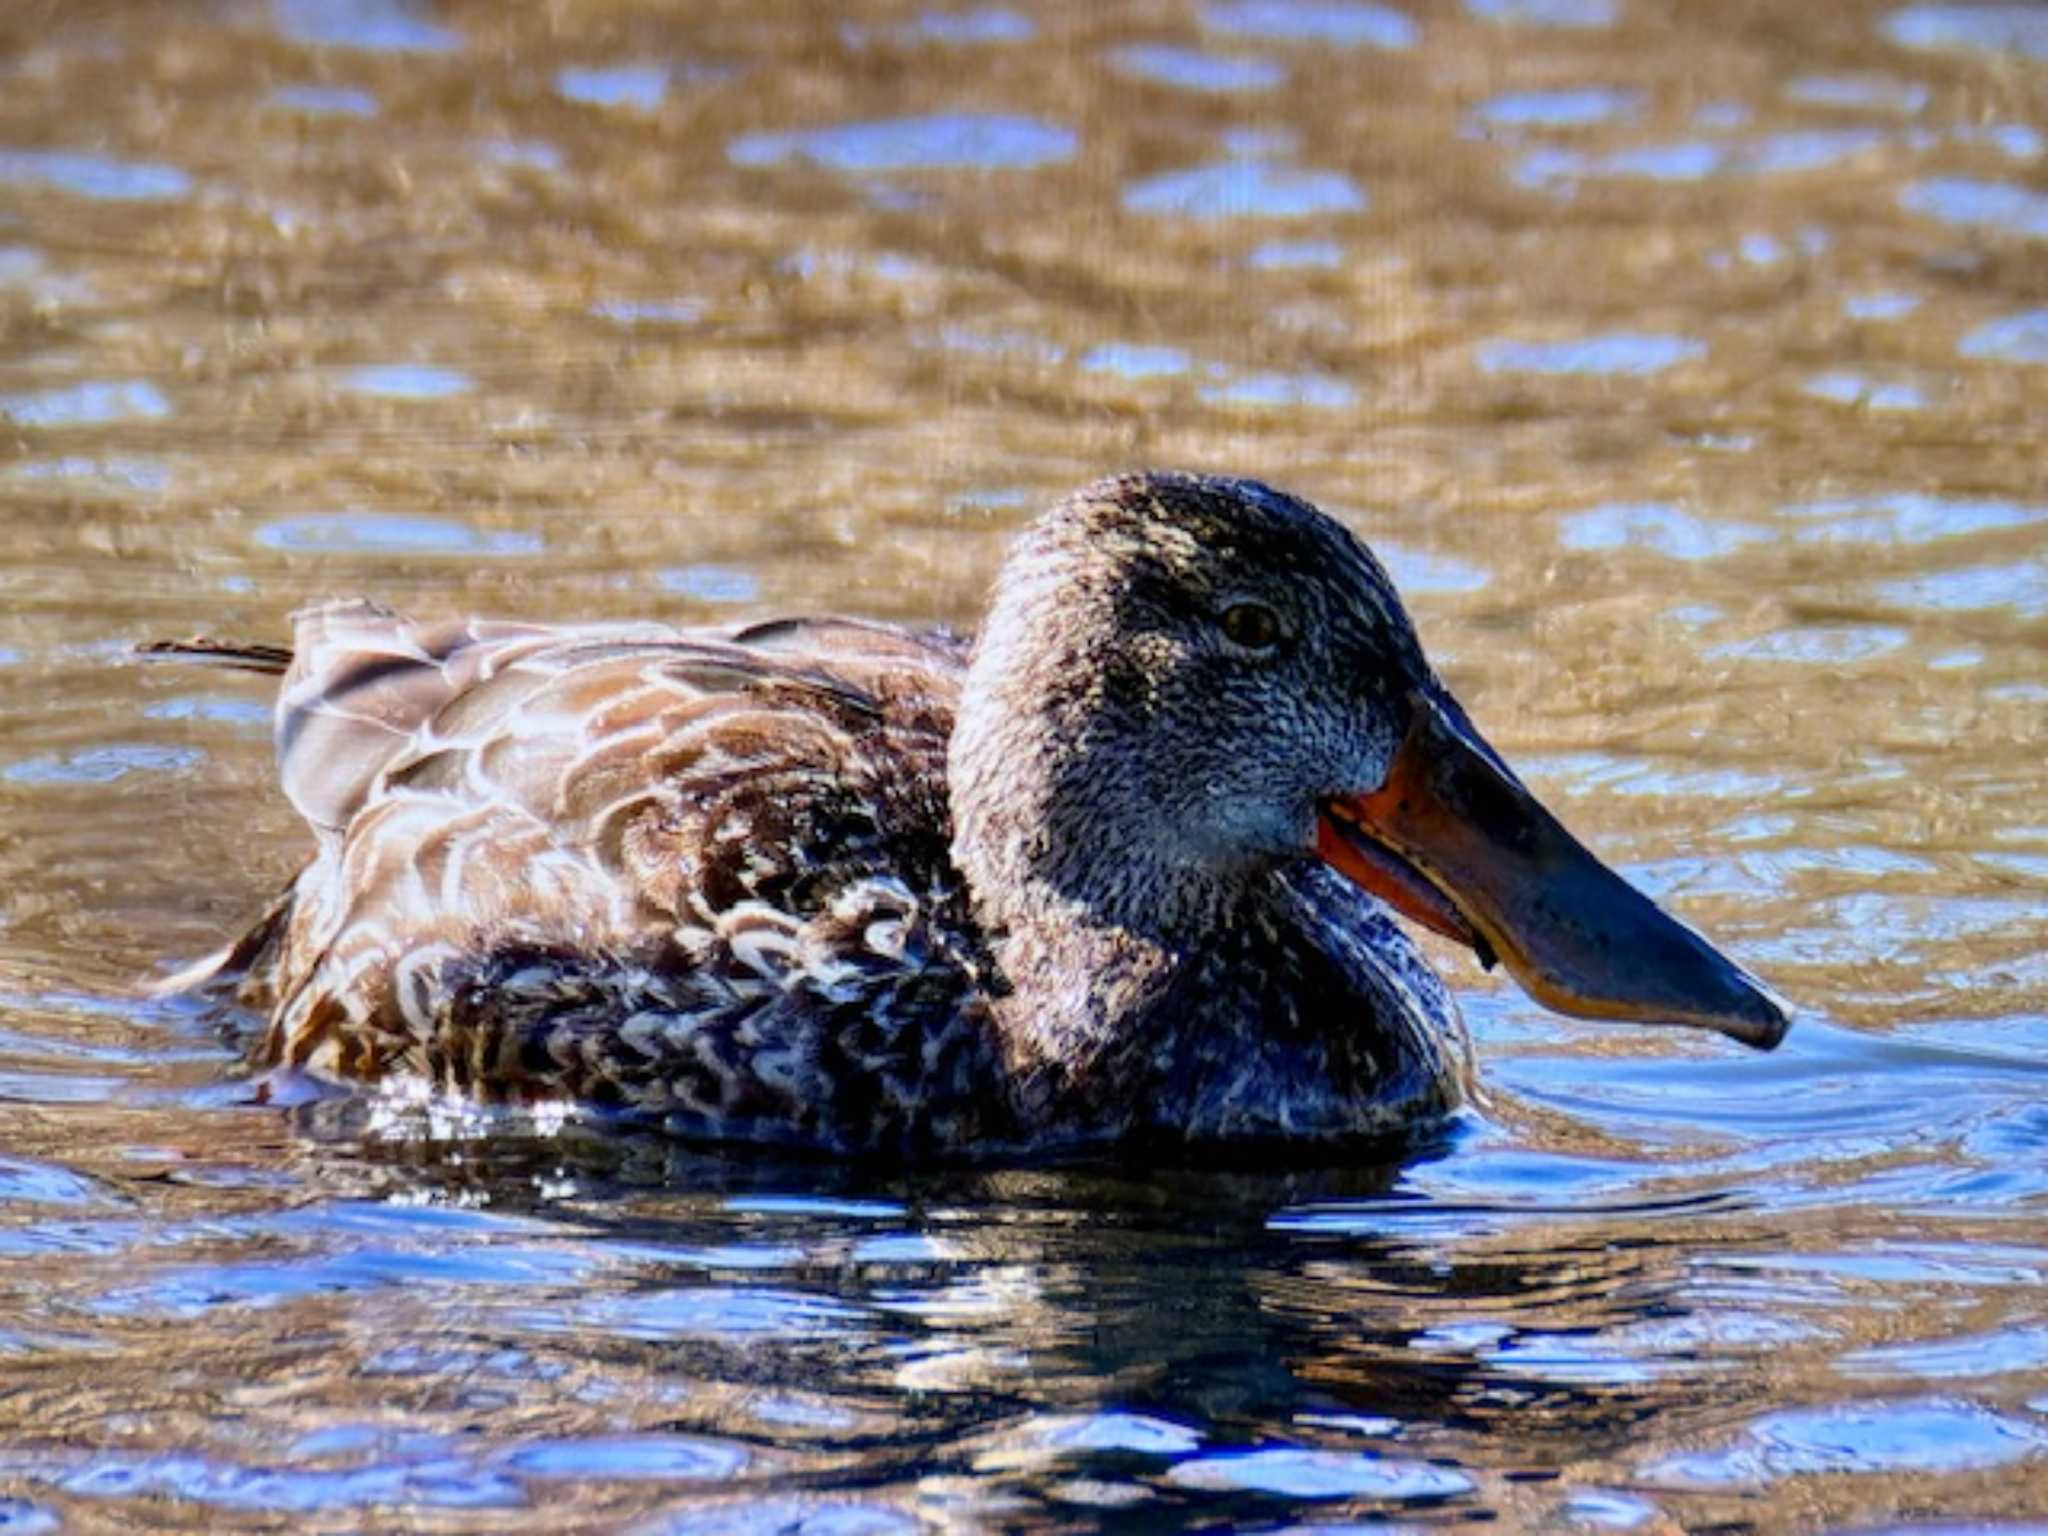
x=1687, y=362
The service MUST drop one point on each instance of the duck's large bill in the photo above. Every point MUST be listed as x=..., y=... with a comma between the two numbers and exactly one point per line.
x=1453, y=840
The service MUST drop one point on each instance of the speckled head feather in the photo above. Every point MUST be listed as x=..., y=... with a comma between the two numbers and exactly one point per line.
x=837, y=885
x=1117, y=751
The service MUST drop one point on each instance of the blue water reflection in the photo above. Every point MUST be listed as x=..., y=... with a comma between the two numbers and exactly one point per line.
x=1845, y=387
x=95, y=403
x=1931, y=1436
x=1960, y=200
x=384, y=26
x=204, y=707
x=712, y=583
x=2021, y=585
x=1244, y=189
x=1660, y=572
x=638, y=86
x=1658, y=526
x=1881, y=306
x=1869, y=93
x=1698, y=159
x=2019, y=338
x=94, y=176
x=1547, y=13
x=1909, y=517
x=325, y=100
x=406, y=381
x=1624, y=353
x=390, y=533
x=1130, y=361
x=2021, y=1351
x=1283, y=391
x=1342, y=23
x=1140, y=1434
x=1281, y=255
x=2006, y=28
x=117, y=474
x=784, y=1517
x=1292, y=1472
x=649, y=311
x=1560, y=109
x=1195, y=70
x=102, y=765
x=447, y=1482
x=986, y=141
x=1816, y=645
x=959, y=29
x=668, y=1458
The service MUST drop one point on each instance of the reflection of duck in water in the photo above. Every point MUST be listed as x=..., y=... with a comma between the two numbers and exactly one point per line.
x=1116, y=874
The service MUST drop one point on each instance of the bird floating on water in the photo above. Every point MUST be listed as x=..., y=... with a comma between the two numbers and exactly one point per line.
x=1119, y=872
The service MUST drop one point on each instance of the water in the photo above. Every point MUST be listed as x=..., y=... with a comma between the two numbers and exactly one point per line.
x=1702, y=424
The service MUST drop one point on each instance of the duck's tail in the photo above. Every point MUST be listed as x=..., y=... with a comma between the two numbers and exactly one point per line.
x=273, y=659
x=225, y=971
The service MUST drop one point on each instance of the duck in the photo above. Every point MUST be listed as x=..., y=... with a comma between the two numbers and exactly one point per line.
x=1128, y=869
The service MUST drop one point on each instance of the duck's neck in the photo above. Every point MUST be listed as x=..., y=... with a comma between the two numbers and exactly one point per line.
x=1146, y=995
x=1092, y=930
x=1088, y=902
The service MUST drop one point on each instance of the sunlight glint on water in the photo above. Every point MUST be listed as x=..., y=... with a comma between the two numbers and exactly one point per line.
x=1701, y=427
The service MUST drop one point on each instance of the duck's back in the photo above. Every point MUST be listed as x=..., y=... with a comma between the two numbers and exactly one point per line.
x=701, y=874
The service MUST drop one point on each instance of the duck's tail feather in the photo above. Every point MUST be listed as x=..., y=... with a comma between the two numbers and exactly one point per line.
x=273, y=659
x=232, y=965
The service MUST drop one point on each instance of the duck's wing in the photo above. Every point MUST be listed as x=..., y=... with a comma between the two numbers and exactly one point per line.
x=363, y=684
x=532, y=836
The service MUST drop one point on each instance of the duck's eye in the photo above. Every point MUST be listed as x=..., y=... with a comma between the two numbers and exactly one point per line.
x=1252, y=625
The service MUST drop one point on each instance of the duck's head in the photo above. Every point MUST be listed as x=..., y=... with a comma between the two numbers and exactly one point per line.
x=1185, y=682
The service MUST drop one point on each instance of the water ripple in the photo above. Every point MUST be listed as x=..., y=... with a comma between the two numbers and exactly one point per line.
x=1959, y=200
x=1619, y=352
x=1657, y=526
x=1281, y=255
x=94, y=176
x=325, y=100
x=381, y=26
x=1194, y=70
x=1845, y=387
x=102, y=765
x=1868, y=93
x=1559, y=109
x=638, y=86
x=1578, y=14
x=977, y=140
x=1929, y=1436
x=93, y=404
x=2021, y=585
x=1909, y=517
x=1292, y=1472
x=1131, y=361
x=2007, y=28
x=2021, y=338
x=406, y=381
x=1881, y=306
x=383, y=533
x=665, y=1458
x=953, y=29
x=1244, y=189
x=784, y=1517
x=1343, y=23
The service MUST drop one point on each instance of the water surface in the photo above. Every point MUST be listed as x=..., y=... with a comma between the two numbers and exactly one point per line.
x=1687, y=362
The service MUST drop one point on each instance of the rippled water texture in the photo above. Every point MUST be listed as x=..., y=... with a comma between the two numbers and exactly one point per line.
x=1687, y=361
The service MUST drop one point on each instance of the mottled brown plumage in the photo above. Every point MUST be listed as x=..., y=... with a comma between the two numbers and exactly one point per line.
x=845, y=886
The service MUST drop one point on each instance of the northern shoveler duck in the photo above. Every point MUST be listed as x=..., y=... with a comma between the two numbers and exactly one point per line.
x=1122, y=870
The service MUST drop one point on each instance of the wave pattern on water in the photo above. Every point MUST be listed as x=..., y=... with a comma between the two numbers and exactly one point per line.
x=1700, y=427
